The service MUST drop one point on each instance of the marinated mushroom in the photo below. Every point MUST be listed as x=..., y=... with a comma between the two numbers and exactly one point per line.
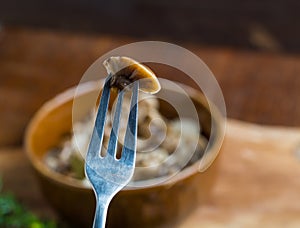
x=125, y=70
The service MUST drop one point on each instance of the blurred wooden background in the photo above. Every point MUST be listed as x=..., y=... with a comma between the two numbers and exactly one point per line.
x=252, y=48
x=35, y=65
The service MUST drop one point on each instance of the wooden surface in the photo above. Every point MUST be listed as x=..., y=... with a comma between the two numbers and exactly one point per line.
x=256, y=24
x=258, y=183
x=35, y=65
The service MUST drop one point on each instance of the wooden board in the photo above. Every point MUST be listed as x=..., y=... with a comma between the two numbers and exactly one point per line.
x=259, y=180
x=258, y=184
x=35, y=65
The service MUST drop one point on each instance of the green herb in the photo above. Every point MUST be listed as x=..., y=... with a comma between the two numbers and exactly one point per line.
x=14, y=215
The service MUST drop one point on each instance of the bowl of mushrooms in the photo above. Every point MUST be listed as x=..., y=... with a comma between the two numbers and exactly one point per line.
x=167, y=183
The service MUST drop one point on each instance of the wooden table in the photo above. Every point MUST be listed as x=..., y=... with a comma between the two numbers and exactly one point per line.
x=258, y=183
x=35, y=65
x=259, y=180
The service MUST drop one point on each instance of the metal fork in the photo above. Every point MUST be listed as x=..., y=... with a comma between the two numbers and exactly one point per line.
x=108, y=174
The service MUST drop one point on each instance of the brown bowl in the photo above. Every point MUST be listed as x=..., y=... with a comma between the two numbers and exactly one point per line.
x=164, y=204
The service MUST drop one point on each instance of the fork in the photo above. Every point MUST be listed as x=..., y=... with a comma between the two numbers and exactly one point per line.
x=107, y=174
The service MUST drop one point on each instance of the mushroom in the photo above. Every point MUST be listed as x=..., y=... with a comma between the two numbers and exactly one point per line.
x=125, y=70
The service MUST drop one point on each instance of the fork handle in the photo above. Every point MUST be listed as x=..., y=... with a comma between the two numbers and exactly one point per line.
x=100, y=214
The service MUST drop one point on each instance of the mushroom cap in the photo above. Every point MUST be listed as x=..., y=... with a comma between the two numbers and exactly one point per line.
x=122, y=67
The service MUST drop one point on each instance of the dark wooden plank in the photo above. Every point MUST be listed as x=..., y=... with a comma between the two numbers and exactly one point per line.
x=35, y=65
x=213, y=22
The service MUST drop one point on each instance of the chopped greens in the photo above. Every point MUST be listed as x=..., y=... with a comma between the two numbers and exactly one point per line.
x=14, y=215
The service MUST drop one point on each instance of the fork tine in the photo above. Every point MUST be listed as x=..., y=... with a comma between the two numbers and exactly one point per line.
x=97, y=136
x=129, y=147
x=113, y=139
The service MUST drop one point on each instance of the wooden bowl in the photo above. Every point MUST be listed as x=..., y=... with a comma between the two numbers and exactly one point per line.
x=164, y=204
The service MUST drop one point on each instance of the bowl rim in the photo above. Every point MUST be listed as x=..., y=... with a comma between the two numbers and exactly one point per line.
x=87, y=87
